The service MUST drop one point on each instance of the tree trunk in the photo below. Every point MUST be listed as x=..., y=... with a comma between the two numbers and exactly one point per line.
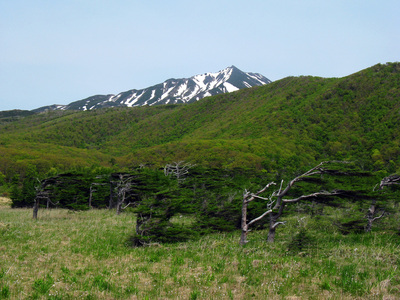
x=119, y=208
x=243, y=237
x=370, y=217
x=272, y=228
x=36, y=208
x=90, y=197
x=271, y=235
x=138, y=223
x=121, y=200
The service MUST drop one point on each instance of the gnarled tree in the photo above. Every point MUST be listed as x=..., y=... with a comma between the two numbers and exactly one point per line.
x=178, y=169
x=247, y=198
x=372, y=211
x=43, y=193
x=281, y=201
x=124, y=185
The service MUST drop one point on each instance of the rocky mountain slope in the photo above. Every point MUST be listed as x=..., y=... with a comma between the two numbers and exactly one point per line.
x=171, y=91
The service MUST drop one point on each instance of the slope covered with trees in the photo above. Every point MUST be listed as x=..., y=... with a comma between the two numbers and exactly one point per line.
x=289, y=123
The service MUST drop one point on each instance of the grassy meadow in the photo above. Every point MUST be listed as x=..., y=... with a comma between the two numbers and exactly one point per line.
x=86, y=255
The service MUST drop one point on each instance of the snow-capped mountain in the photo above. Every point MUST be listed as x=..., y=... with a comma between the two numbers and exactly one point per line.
x=172, y=91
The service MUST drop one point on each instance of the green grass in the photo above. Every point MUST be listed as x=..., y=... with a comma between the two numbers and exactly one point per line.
x=71, y=255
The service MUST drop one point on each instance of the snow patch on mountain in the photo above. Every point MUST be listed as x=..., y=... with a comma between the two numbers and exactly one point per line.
x=173, y=91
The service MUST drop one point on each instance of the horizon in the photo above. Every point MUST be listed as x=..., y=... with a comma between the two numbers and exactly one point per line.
x=58, y=53
x=114, y=94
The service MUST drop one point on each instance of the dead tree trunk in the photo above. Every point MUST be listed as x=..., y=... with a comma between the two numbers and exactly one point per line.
x=372, y=211
x=121, y=200
x=178, y=170
x=371, y=218
x=277, y=210
x=36, y=207
x=40, y=195
x=123, y=186
x=90, y=196
x=273, y=223
x=247, y=198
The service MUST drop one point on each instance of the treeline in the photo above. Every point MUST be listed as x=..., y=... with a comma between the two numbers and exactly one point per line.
x=183, y=201
x=210, y=196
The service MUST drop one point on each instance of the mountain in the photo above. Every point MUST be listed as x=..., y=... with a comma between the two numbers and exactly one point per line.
x=292, y=122
x=171, y=91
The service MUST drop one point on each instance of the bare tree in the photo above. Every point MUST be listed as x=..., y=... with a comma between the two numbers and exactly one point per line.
x=42, y=194
x=247, y=198
x=124, y=185
x=280, y=202
x=372, y=211
x=178, y=169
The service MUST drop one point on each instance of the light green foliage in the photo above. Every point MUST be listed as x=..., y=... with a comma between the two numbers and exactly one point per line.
x=306, y=118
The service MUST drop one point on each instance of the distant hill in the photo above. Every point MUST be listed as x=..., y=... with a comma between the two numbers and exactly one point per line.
x=276, y=127
x=172, y=91
x=13, y=115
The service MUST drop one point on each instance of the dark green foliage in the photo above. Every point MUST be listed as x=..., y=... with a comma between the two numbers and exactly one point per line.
x=13, y=115
x=23, y=195
x=302, y=242
x=210, y=197
x=351, y=226
x=154, y=213
x=216, y=197
x=218, y=215
x=68, y=190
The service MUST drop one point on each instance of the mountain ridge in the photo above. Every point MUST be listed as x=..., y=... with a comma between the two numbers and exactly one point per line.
x=292, y=122
x=171, y=91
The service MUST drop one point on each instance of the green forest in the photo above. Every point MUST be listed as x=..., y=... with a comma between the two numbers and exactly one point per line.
x=290, y=123
x=232, y=142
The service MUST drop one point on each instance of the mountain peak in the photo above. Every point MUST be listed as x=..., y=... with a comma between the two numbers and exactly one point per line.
x=172, y=91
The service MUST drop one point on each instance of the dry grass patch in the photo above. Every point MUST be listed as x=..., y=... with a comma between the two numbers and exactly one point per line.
x=5, y=202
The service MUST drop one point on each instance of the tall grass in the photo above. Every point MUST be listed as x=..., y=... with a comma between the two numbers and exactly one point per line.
x=85, y=255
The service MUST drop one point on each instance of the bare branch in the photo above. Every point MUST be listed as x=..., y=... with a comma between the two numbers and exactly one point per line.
x=126, y=205
x=262, y=198
x=178, y=169
x=390, y=180
x=313, y=195
x=266, y=187
x=260, y=217
x=278, y=223
x=247, y=198
x=281, y=202
x=377, y=218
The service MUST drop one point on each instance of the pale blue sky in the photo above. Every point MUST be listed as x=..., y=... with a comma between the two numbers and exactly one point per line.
x=59, y=51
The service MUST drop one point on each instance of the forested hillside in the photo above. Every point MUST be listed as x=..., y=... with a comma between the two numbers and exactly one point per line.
x=281, y=126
